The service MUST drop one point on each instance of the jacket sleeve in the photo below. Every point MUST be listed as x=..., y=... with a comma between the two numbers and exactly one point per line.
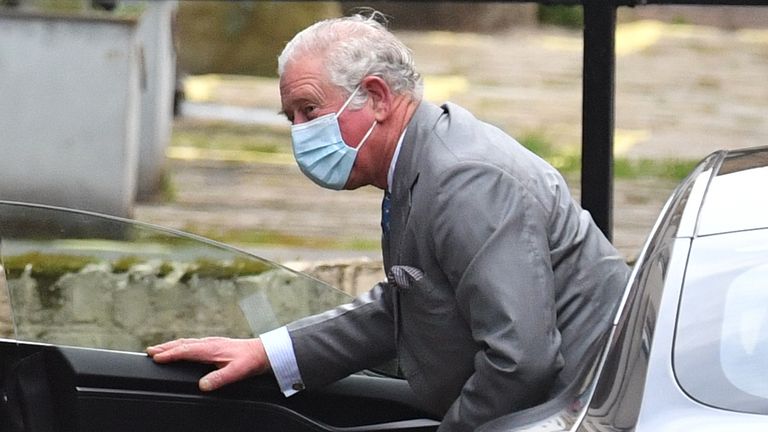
x=490, y=238
x=344, y=340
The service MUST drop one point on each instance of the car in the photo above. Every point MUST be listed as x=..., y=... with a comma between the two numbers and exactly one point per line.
x=88, y=292
x=688, y=349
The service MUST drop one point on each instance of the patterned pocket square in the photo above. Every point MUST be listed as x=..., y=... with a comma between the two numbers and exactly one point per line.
x=404, y=276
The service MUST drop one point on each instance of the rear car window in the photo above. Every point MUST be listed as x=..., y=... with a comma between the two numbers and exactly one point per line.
x=721, y=345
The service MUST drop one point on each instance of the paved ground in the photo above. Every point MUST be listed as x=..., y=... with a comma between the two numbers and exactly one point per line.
x=682, y=92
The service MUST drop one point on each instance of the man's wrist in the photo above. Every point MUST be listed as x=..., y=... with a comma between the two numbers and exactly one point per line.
x=260, y=356
x=278, y=347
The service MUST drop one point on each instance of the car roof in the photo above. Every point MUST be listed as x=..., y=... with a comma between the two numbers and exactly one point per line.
x=733, y=198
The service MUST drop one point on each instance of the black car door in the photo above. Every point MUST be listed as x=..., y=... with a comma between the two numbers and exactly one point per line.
x=89, y=292
x=49, y=388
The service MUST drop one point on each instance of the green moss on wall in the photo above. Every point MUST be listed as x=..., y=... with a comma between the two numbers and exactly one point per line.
x=209, y=269
x=46, y=269
x=45, y=266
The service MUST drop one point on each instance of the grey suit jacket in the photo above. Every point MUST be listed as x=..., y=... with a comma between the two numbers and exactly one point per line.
x=499, y=284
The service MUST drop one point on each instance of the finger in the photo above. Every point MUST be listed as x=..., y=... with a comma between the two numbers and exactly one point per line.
x=189, y=350
x=155, y=349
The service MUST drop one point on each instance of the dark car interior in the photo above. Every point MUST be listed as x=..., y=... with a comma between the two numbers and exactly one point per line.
x=49, y=388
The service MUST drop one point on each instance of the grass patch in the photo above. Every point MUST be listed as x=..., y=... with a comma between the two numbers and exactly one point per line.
x=267, y=237
x=561, y=15
x=266, y=139
x=229, y=136
x=167, y=190
x=563, y=161
x=623, y=168
x=537, y=143
x=673, y=169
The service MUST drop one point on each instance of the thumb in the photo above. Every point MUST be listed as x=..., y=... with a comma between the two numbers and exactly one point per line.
x=214, y=380
x=240, y=359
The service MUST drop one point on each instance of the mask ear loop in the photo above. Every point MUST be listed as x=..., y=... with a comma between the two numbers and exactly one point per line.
x=373, y=126
x=365, y=137
x=349, y=99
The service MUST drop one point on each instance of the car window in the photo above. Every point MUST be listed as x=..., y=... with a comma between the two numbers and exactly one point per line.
x=721, y=344
x=725, y=211
x=744, y=349
x=88, y=280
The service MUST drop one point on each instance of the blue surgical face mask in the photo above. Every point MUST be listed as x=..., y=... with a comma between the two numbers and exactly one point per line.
x=320, y=150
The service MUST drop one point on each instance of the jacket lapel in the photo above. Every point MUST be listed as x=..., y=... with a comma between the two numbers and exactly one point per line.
x=405, y=177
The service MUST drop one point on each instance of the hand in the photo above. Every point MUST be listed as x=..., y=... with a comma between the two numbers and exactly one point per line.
x=235, y=359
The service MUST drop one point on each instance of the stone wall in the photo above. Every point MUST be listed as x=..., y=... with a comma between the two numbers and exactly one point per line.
x=354, y=276
x=128, y=311
x=6, y=326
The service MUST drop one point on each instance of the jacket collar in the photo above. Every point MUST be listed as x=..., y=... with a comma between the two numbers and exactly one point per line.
x=416, y=137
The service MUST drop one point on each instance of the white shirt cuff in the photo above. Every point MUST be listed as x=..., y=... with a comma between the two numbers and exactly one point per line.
x=277, y=343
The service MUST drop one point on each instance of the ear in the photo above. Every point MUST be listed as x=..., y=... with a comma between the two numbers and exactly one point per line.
x=380, y=95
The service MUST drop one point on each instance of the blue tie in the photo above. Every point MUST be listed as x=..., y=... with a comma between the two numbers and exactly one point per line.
x=385, y=204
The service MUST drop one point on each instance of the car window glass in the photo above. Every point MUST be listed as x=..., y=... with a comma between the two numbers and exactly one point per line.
x=721, y=343
x=92, y=281
x=725, y=211
x=744, y=335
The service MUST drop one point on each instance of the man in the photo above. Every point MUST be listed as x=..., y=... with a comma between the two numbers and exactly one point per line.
x=499, y=285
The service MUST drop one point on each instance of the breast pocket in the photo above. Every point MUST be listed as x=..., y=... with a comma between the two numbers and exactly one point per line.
x=434, y=345
x=425, y=318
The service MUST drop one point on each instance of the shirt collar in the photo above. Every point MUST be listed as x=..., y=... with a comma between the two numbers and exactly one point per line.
x=393, y=162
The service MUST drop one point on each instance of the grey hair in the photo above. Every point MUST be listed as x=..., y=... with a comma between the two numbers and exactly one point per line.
x=354, y=47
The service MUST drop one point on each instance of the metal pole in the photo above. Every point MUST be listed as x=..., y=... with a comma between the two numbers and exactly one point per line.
x=598, y=112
